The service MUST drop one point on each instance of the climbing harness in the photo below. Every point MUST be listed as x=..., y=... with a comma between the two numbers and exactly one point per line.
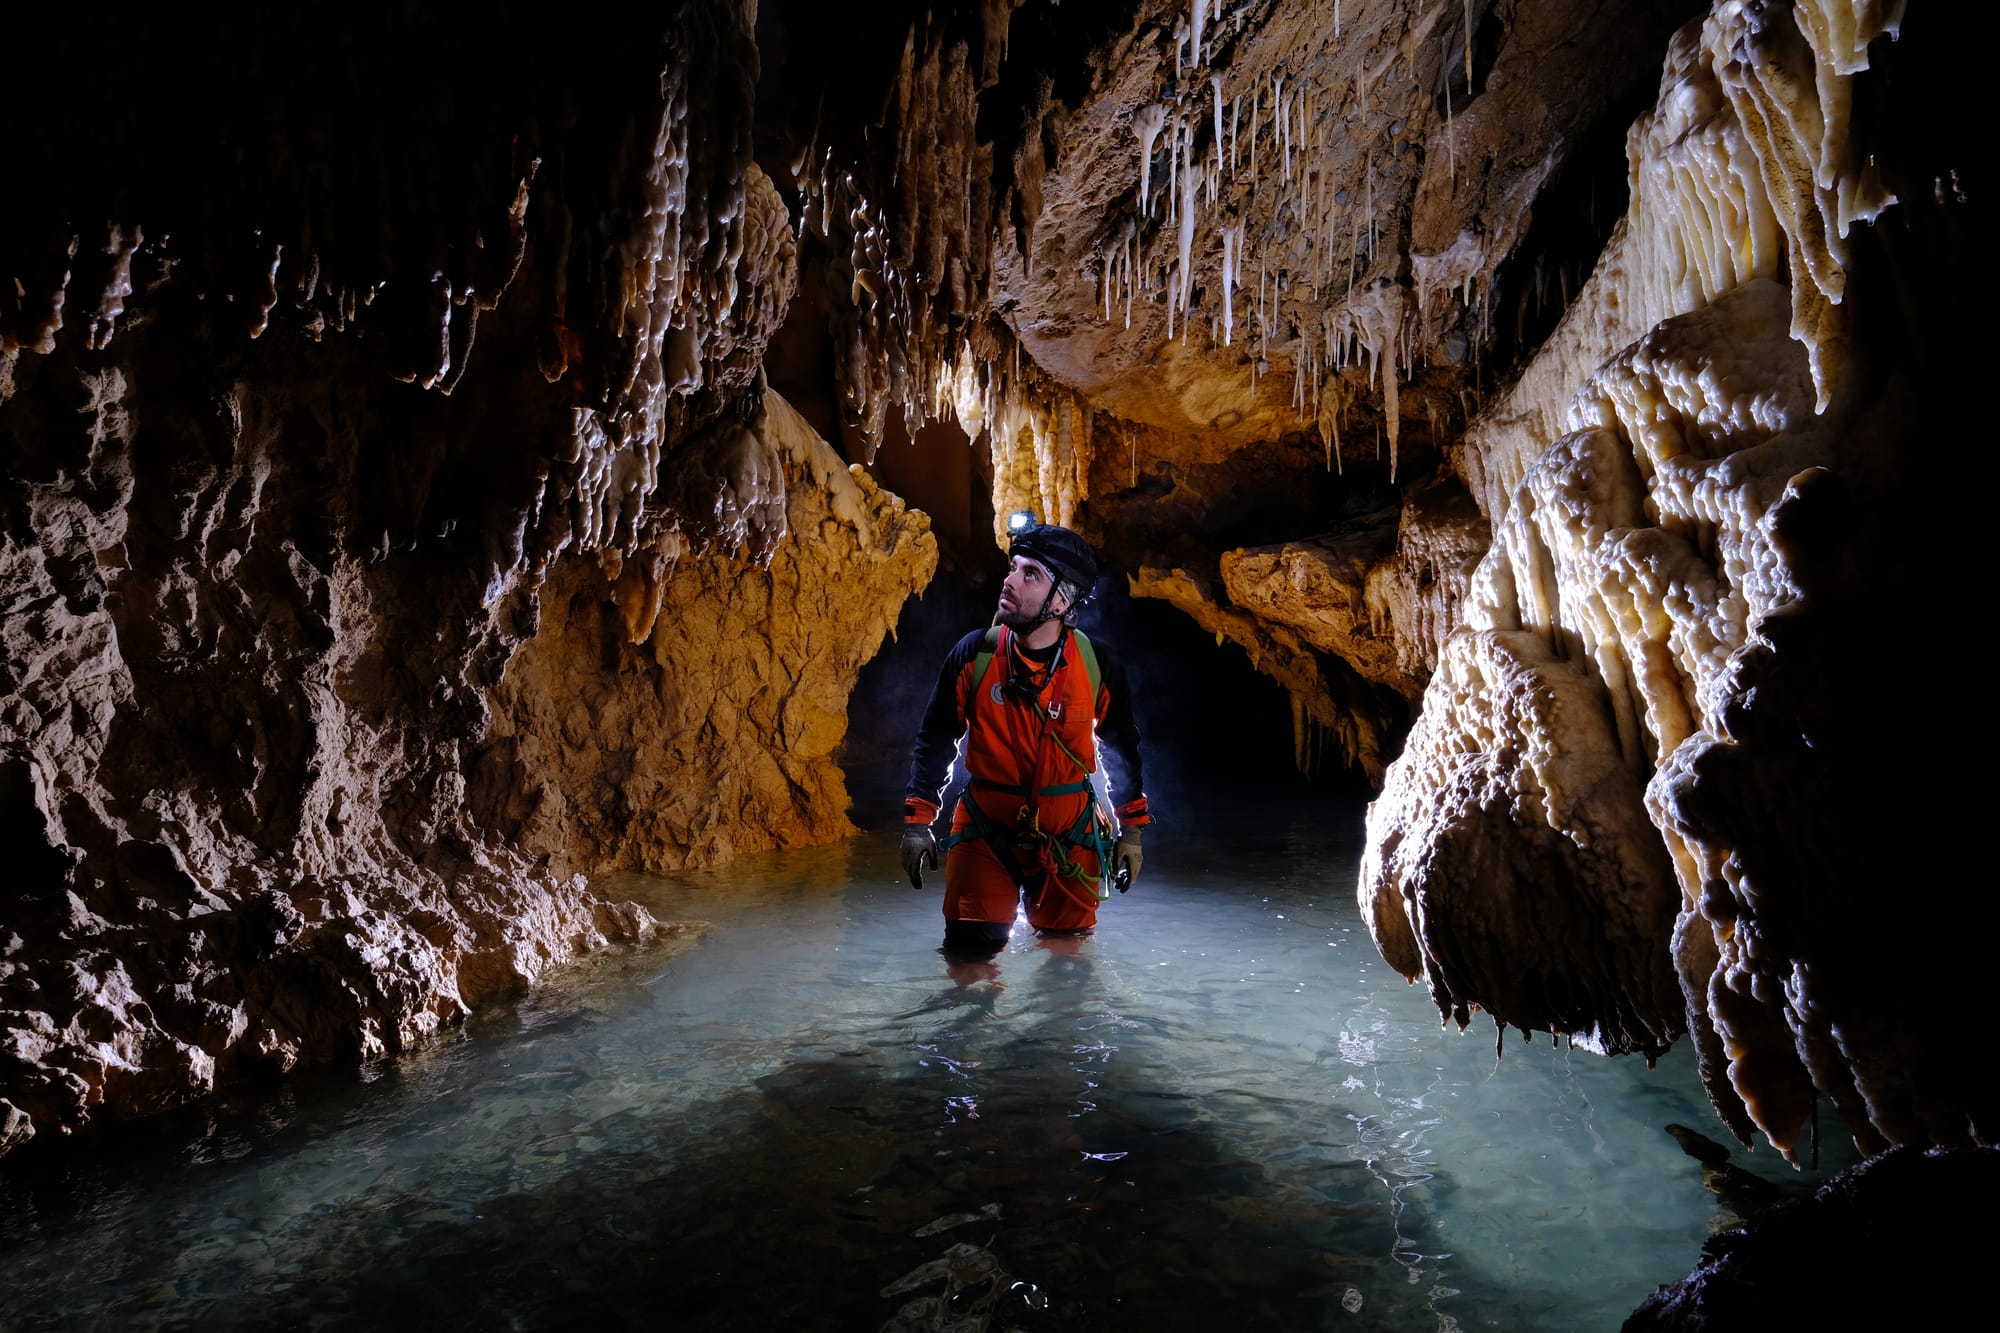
x=991, y=643
x=1053, y=851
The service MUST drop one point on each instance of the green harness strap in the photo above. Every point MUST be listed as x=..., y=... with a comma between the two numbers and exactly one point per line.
x=991, y=644
x=1090, y=830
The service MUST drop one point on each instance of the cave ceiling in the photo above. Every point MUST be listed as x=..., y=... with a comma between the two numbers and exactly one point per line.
x=1329, y=226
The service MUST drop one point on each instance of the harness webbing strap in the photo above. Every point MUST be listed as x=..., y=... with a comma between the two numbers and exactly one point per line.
x=1060, y=789
x=991, y=644
x=1089, y=830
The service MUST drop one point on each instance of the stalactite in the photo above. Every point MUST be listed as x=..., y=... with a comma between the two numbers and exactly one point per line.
x=1147, y=125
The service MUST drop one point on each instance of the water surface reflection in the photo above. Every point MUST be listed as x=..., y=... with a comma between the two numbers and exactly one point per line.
x=1222, y=1109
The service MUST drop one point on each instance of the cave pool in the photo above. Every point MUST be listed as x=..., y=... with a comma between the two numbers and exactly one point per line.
x=1222, y=1111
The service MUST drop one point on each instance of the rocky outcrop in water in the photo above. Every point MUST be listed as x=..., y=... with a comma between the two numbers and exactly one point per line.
x=1870, y=1241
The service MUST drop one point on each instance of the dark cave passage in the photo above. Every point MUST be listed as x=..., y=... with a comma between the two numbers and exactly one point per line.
x=1211, y=725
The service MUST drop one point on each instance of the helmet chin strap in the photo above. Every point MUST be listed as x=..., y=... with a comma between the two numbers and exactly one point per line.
x=1045, y=615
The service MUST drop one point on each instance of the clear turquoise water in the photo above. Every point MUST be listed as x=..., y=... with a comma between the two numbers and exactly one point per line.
x=1221, y=1110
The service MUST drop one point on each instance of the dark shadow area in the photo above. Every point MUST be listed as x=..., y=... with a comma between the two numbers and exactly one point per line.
x=895, y=685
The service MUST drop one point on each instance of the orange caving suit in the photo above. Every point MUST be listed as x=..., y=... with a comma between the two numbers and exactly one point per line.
x=1028, y=822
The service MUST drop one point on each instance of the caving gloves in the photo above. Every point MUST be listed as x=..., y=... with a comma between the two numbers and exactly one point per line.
x=919, y=851
x=1125, y=858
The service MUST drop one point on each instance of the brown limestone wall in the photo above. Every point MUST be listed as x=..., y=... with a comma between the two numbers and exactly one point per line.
x=714, y=733
x=306, y=391
x=232, y=743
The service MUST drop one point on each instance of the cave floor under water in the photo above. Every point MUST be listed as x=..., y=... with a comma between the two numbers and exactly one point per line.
x=1221, y=1110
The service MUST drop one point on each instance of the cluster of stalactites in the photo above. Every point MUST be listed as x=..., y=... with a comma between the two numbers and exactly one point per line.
x=1037, y=431
x=697, y=267
x=1232, y=139
x=1041, y=457
x=910, y=336
x=1745, y=164
x=1220, y=145
x=433, y=332
x=914, y=261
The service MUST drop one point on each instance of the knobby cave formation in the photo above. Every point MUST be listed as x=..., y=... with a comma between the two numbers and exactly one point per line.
x=449, y=457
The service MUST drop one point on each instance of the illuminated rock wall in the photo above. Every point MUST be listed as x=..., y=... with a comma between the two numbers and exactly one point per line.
x=1647, y=730
x=714, y=733
x=361, y=389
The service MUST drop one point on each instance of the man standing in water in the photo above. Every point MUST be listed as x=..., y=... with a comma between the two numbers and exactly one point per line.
x=1033, y=697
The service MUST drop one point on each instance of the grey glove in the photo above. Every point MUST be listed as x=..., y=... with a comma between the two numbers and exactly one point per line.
x=919, y=850
x=1125, y=858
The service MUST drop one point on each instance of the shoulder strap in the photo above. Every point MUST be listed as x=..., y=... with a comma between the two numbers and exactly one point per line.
x=984, y=658
x=990, y=644
x=1089, y=655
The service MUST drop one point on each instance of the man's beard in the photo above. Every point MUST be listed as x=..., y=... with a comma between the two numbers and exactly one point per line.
x=1020, y=619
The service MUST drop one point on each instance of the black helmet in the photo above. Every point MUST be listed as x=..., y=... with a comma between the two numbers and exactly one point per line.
x=1067, y=556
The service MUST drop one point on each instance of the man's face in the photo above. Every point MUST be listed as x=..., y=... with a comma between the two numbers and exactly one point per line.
x=1023, y=591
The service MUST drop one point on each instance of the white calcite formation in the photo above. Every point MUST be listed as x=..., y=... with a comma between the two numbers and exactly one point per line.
x=1597, y=786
